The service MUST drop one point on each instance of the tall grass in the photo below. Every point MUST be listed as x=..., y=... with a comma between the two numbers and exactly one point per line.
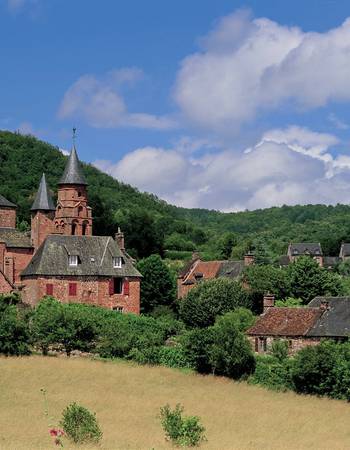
x=127, y=398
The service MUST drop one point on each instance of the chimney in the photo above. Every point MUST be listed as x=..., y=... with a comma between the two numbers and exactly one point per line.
x=119, y=238
x=268, y=302
x=195, y=255
x=249, y=259
x=324, y=306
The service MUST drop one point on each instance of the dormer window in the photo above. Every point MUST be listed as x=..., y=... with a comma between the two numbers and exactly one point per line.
x=295, y=252
x=117, y=262
x=73, y=260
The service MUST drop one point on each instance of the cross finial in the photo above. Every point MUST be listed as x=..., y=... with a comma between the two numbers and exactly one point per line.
x=74, y=135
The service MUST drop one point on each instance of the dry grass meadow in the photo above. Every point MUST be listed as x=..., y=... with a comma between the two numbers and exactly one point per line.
x=126, y=399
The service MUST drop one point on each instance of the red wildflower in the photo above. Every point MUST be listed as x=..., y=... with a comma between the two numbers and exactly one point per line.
x=53, y=432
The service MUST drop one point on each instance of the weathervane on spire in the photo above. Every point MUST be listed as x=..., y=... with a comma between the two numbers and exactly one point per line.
x=74, y=135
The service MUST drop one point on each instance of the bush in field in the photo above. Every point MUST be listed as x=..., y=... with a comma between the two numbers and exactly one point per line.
x=80, y=425
x=279, y=349
x=211, y=298
x=173, y=357
x=272, y=373
x=315, y=369
x=184, y=431
x=14, y=332
x=230, y=353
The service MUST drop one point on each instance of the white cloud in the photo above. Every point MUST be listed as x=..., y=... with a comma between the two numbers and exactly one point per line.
x=248, y=66
x=287, y=166
x=338, y=123
x=99, y=102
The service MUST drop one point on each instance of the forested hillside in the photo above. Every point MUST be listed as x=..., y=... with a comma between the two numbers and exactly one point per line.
x=153, y=226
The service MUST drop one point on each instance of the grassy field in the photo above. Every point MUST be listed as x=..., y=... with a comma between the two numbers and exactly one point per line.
x=126, y=399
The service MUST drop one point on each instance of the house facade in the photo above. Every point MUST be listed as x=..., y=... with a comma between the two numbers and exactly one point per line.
x=61, y=256
x=323, y=318
x=197, y=271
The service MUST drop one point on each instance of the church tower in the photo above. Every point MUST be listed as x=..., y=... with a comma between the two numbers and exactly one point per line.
x=73, y=215
x=42, y=215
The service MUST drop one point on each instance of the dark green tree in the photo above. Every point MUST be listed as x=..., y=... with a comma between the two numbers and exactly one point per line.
x=201, y=306
x=157, y=286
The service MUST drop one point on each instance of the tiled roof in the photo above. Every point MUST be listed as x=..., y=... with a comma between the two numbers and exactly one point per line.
x=73, y=173
x=285, y=322
x=208, y=270
x=95, y=255
x=15, y=238
x=305, y=248
x=231, y=269
x=6, y=203
x=335, y=321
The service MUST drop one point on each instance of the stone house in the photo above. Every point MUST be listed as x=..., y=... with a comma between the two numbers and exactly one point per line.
x=323, y=318
x=61, y=257
x=314, y=250
x=197, y=271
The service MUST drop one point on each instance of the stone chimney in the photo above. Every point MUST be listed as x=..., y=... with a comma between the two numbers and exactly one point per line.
x=324, y=306
x=249, y=259
x=268, y=302
x=119, y=238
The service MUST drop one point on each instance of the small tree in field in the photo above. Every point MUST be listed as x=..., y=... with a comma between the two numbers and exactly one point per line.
x=211, y=298
x=80, y=425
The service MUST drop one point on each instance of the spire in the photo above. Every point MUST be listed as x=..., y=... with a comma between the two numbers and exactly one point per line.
x=43, y=200
x=73, y=173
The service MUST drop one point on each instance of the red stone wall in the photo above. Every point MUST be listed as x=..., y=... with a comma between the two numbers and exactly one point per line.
x=183, y=289
x=21, y=258
x=5, y=286
x=41, y=227
x=294, y=343
x=7, y=217
x=73, y=215
x=89, y=290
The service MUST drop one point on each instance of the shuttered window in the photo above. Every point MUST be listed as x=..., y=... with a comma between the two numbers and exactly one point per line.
x=72, y=289
x=49, y=289
x=115, y=286
x=126, y=287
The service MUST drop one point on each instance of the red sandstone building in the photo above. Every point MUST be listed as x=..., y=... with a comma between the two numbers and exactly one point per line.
x=60, y=256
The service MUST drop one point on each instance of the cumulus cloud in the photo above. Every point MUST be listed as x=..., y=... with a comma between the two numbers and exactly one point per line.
x=286, y=166
x=98, y=101
x=249, y=66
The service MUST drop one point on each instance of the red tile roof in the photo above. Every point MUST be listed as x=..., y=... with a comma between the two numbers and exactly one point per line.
x=285, y=322
x=209, y=269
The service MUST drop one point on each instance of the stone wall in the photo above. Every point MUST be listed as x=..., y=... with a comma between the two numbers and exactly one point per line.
x=89, y=290
x=7, y=217
x=259, y=343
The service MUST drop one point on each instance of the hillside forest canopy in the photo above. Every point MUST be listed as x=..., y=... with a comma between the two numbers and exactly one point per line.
x=152, y=226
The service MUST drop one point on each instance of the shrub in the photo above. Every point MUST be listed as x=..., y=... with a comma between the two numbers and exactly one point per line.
x=185, y=431
x=279, y=349
x=272, y=373
x=14, y=333
x=211, y=298
x=173, y=357
x=196, y=344
x=80, y=425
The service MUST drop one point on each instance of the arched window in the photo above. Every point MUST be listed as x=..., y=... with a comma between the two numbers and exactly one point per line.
x=85, y=227
x=74, y=228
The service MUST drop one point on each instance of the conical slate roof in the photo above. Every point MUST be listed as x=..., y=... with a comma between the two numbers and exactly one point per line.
x=43, y=200
x=73, y=173
x=6, y=203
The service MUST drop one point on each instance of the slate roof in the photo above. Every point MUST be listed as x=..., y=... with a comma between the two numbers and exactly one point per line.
x=231, y=269
x=305, y=248
x=6, y=203
x=335, y=321
x=285, y=322
x=345, y=249
x=330, y=261
x=73, y=173
x=94, y=253
x=15, y=238
x=284, y=260
x=43, y=200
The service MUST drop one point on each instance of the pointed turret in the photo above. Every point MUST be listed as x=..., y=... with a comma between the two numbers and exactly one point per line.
x=73, y=173
x=43, y=200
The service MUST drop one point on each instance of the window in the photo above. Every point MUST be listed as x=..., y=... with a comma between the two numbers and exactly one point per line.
x=115, y=286
x=262, y=344
x=72, y=289
x=118, y=309
x=73, y=260
x=117, y=262
x=49, y=289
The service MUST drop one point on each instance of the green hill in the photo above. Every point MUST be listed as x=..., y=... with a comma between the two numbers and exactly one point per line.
x=151, y=225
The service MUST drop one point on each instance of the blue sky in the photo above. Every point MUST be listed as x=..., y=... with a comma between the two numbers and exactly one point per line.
x=226, y=105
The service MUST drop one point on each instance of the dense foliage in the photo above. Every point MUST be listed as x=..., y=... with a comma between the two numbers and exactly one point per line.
x=14, y=332
x=80, y=425
x=158, y=285
x=207, y=300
